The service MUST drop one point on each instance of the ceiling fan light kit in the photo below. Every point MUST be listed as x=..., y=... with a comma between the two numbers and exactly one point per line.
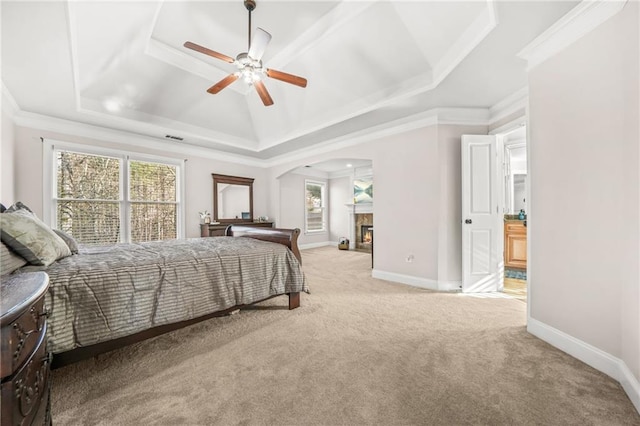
x=249, y=63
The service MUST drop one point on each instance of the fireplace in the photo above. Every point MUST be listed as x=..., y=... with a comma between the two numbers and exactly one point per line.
x=366, y=234
x=363, y=231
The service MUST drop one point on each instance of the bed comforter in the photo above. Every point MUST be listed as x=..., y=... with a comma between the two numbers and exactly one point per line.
x=104, y=293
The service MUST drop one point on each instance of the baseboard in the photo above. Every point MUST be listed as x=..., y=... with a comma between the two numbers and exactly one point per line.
x=314, y=245
x=449, y=285
x=405, y=279
x=630, y=384
x=416, y=281
x=590, y=355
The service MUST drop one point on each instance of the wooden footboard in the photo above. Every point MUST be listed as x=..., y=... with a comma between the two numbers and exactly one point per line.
x=287, y=237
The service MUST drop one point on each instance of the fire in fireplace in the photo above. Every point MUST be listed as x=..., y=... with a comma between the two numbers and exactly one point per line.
x=366, y=234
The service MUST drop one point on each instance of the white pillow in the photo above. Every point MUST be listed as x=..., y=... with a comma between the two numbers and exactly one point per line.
x=31, y=238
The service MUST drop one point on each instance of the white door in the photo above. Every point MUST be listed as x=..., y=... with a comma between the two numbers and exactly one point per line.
x=481, y=270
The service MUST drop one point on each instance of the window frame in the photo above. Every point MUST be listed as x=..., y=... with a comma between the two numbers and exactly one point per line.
x=323, y=193
x=50, y=196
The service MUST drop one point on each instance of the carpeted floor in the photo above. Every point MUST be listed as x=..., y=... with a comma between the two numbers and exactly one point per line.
x=358, y=351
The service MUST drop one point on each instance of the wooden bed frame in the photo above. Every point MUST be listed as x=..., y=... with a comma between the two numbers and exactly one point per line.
x=286, y=237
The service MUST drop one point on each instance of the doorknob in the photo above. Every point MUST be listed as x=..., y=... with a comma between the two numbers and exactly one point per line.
x=467, y=221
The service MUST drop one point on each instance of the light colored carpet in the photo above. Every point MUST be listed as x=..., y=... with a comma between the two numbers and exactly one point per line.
x=358, y=351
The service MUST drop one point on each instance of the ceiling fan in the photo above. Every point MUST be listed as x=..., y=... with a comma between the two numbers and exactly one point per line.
x=249, y=63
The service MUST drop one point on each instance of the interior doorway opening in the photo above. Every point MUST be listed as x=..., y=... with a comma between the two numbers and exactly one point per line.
x=515, y=209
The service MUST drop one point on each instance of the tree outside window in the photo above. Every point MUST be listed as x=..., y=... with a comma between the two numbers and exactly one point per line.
x=93, y=206
x=315, y=206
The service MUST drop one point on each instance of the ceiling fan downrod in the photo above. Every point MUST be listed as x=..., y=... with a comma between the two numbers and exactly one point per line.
x=250, y=5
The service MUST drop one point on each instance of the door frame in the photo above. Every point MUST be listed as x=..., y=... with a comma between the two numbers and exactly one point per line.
x=501, y=132
x=508, y=170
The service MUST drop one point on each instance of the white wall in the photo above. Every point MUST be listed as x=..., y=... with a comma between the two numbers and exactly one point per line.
x=7, y=161
x=585, y=187
x=450, y=204
x=199, y=183
x=416, y=203
x=340, y=193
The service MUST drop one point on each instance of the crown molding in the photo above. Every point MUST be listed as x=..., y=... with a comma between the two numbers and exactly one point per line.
x=144, y=123
x=310, y=172
x=451, y=116
x=468, y=40
x=513, y=103
x=437, y=116
x=73, y=128
x=577, y=23
x=355, y=138
x=463, y=116
x=341, y=173
x=509, y=127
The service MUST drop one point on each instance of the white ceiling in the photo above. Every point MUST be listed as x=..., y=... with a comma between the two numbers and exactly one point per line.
x=122, y=65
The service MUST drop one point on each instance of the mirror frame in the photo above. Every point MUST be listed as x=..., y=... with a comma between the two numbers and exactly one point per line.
x=233, y=180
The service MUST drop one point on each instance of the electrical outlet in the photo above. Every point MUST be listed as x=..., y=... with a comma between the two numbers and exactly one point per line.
x=409, y=258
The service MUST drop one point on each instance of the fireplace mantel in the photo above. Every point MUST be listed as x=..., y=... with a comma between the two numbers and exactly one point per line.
x=360, y=207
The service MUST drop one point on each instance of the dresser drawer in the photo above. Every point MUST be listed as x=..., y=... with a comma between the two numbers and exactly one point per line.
x=20, y=337
x=25, y=395
x=515, y=227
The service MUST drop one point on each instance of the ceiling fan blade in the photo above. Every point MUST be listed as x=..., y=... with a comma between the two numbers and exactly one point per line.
x=287, y=78
x=216, y=88
x=259, y=43
x=209, y=52
x=264, y=94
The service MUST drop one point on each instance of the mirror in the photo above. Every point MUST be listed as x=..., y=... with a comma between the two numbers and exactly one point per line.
x=519, y=192
x=515, y=177
x=232, y=199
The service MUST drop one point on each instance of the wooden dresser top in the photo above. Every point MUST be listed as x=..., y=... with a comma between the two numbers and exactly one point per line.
x=18, y=292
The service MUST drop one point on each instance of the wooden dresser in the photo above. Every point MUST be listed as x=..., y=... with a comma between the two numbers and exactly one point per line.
x=217, y=230
x=24, y=360
x=515, y=244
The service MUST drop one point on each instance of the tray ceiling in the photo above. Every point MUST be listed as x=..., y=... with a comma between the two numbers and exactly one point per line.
x=122, y=65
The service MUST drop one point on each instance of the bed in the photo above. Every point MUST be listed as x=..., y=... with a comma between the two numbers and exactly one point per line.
x=107, y=297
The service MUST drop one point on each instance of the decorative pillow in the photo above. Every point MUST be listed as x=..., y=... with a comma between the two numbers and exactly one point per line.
x=18, y=206
x=9, y=260
x=31, y=238
x=68, y=239
x=2, y=208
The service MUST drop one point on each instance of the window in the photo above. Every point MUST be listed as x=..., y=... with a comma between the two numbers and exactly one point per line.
x=103, y=197
x=153, y=207
x=314, y=206
x=88, y=197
